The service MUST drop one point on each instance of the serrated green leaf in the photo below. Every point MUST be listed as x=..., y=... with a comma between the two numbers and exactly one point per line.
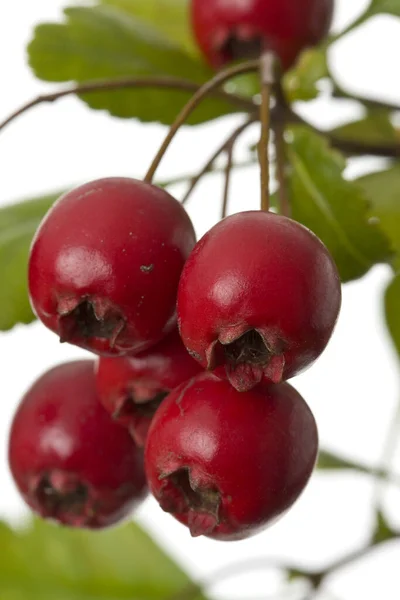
x=48, y=562
x=169, y=17
x=301, y=82
x=105, y=42
x=334, y=208
x=18, y=224
x=383, y=532
x=383, y=192
x=392, y=313
x=375, y=127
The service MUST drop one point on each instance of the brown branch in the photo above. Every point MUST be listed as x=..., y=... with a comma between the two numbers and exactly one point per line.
x=369, y=102
x=228, y=173
x=281, y=158
x=209, y=165
x=171, y=83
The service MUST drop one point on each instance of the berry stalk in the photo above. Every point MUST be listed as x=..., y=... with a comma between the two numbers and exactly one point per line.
x=205, y=90
x=266, y=80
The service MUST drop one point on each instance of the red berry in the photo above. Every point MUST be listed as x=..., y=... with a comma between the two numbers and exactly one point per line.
x=69, y=460
x=132, y=387
x=225, y=463
x=227, y=30
x=105, y=265
x=258, y=299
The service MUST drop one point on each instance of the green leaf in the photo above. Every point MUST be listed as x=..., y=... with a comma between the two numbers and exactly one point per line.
x=46, y=562
x=383, y=532
x=334, y=208
x=390, y=7
x=301, y=83
x=375, y=127
x=105, y=42
x=18, y=224
x=392, y=313
x=383, y=192
x=169, y=17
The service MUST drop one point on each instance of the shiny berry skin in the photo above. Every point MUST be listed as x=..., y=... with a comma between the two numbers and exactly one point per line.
x=258, y=299
x=132, y=387
x=69, y=460
x=228, y=464
x=228, y=30
x=105, y=264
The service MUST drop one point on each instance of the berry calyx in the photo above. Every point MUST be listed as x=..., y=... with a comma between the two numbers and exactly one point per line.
x=105, y=264
x=258, y=299
x=228, y=30
x=227, y=464
x=132, y=387
x=69, y=460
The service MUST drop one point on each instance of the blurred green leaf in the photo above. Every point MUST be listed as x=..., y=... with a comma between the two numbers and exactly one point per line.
x=376, y=127
x=18, y=224
x=383, y=192
x=334, y=208
x=169, y=17
x=383, y=532
x=390, y=7
x=104, y=42
x=46, y=562
x=392, y=312
x=301, y=83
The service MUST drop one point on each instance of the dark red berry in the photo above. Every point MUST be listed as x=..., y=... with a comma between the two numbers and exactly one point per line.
x=258, y=299
x=227, y=30
x=105, y=265
x=225, y=463
x=70, y=461
x=132, y=387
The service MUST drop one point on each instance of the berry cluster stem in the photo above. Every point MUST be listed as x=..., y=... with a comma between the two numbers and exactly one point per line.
x=267, y=79
x=204, y=91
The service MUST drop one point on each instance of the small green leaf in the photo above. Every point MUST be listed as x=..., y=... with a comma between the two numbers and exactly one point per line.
x=334, y=208
x=376, y=127
x=383, y=192
x=169, y=17
x=392, y=313
x=301, y=83
x=390, y=7
x=46, y=562
x=18, y=224
x=104, y=42
x=383, y=532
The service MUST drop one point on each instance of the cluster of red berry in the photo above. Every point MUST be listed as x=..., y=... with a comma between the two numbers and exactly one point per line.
x=195, y=343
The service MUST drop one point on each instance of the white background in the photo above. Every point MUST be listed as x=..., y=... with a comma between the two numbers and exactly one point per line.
x=352, y=390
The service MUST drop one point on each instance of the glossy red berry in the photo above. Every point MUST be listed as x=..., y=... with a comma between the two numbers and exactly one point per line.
x=132, y=387
x=70, y=461
x=225, y=463
x=258, y=299
x=228, y=30
x=105, y=264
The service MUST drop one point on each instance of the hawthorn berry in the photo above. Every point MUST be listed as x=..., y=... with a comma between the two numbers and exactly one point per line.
x=132, y=387
x=105, y=264
x=69, y=460
x=258, y=299
x=227, y=464
x=227, y=30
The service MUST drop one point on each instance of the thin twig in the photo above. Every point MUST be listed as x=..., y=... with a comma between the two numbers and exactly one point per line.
x=280, y=150
x=228, y=173
x=266, y=80
x=172, y=83
x=203, y=92
x=213, y=170
x=370, y=102
x=209, y=165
